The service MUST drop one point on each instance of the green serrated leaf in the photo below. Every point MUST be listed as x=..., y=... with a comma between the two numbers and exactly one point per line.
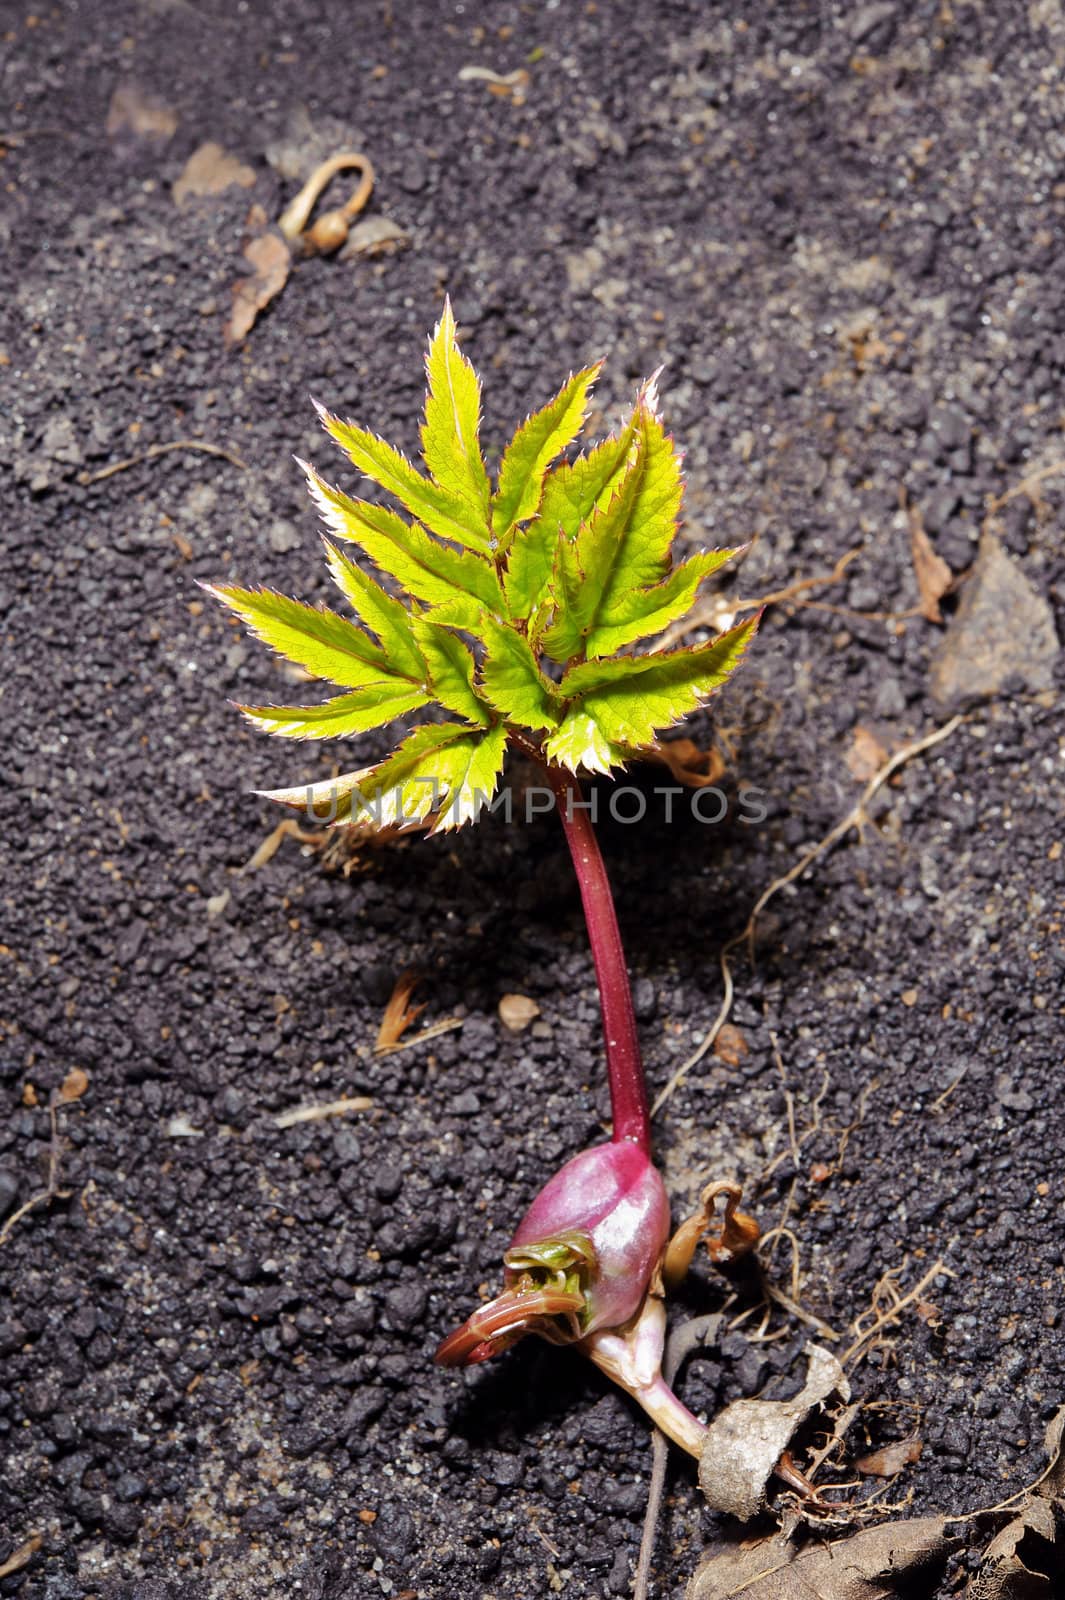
x=541, y=437
x=583, y=567
x=324, y=644
x=639, y=613
x=358, y=712
x=570, y=495
x=445, y=770
x=450, y=433
x=644, y=555
x=511, y=679
x=450, y=667
x=473, y=779
x=457, y=581
x=385, y=616
x=630, y=698
x=443, y=513
x=621, y=548
x=580, y=743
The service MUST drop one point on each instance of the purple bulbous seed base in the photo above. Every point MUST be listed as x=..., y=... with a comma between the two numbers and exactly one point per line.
x=615, y=1195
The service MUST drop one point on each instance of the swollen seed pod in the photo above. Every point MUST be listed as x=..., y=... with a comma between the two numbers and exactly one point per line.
x=582, y=1258
x=326, y=235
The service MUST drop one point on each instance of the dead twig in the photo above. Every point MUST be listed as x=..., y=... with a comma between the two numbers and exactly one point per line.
x=398, y=1013
x=941, y=1099
x=85, y=478
x=35, y=133
x=52, y=1191
x=791, y=1302
x=22, y=1556
x=267, y=850
x=318, y=1113
x=854, y=817
x=433, y=1031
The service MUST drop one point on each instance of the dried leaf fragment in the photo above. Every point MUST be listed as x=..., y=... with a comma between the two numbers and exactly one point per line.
x=74, y=1085
x=399, y=1013
x=516, y=1011
x=1008, y=1570
x=269, y=256
x=872, y=1565
x=745, y=1441
x=891, y=1458
x=136, y=114
x=693, y=767
x=866, y=755
x=934, y=577
x=374, y=236
x=179, y=1126
x=210, y=170
x=730, y=1046
x=1026, y=1560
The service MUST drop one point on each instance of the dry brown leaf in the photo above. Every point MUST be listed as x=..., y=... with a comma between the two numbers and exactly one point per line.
x=74, y=1085
x=891, y=1458
x=516, y=1011
x=690, y=765
x=745, y=1441
x=269, y=256
x=1026, y=1561
x=136, y=114
x=1005, y=1572
x=730, y=1046
x=934, y=577
x=866, y=755
x=209, y=171
x=871, y=1565
x=399, y=1013
x=374, y=236
x=1053, y=1482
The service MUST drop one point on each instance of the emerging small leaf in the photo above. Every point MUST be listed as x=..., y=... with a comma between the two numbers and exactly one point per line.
x=512, y=680
x=491, y=594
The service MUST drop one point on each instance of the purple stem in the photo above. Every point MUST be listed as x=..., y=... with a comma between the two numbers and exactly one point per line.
x=628, y=1091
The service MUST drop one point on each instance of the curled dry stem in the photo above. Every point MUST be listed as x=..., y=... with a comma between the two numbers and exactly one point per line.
x=331, y=229
x=735, y=1235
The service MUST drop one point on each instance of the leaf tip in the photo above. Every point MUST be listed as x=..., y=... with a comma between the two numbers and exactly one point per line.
x=648, y=397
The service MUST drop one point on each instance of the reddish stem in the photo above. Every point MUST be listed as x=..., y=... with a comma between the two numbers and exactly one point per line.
x=628, y=1091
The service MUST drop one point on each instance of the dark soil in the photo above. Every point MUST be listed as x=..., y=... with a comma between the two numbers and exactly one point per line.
x=842, y=230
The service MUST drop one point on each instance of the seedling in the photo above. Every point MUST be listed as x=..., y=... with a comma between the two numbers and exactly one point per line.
x=518, y=606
